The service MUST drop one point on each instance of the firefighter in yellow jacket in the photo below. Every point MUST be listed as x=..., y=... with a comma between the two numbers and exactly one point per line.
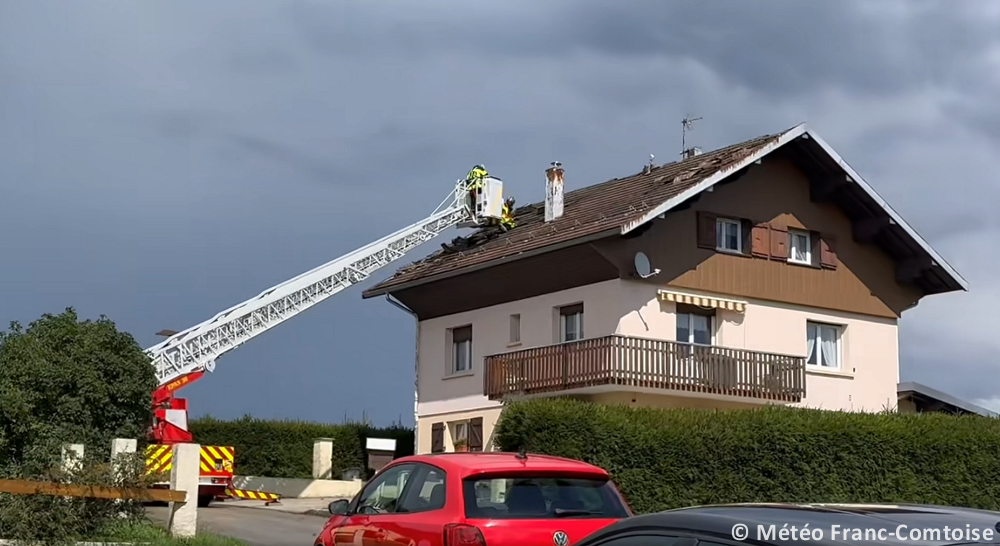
x=507, y=215
x=474, y=180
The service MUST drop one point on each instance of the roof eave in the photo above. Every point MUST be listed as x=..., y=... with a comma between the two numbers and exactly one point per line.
x=377, y=290
x=954, y=279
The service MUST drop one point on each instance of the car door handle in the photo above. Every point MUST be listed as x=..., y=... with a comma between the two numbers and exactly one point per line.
x=380, y=534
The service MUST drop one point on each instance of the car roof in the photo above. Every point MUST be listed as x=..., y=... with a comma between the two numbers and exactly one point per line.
x=467, y=464
x=720, y=519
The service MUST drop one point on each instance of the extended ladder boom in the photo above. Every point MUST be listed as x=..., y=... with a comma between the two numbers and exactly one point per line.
x=197, y=347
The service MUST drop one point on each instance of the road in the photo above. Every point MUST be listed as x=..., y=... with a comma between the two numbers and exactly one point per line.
x=254, y=526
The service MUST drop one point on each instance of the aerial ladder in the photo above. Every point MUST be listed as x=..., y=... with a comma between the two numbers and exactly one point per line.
x=186, y=356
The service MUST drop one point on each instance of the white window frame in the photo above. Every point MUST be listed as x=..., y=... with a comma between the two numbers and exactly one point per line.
x=460, y=431
x=578, y=317
x=711, y=329
x=515, y=329
x=792, y=234
x=839, y=344
x=458, y=348
x=720, y=234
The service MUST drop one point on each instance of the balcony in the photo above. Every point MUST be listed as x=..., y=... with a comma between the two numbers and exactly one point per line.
x=629, y=362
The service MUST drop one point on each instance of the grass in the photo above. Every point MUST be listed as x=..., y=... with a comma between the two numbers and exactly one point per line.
x=153, y=535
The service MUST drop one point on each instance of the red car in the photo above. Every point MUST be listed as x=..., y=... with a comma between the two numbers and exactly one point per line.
x=477, y=499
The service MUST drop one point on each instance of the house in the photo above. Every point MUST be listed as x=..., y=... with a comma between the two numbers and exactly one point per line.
x=917, y=398
x=766, y=272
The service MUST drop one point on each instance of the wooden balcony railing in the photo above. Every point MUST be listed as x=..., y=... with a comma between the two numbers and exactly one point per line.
x=646, y=363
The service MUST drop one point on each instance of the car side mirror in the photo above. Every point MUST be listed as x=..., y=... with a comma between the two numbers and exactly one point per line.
x=339, y=507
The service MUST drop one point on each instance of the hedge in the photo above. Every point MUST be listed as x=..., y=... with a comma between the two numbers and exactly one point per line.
x=664, y=459
x=283, y=449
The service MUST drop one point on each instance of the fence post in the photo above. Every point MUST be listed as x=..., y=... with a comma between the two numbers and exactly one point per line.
x=72, y=458
x=120, y=448
x=184, y=477
x=323, y=459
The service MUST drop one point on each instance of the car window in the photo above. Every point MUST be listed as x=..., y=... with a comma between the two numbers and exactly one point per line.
x=535, y=497
x=426, y=492
x=645, y=540
x=381, y=494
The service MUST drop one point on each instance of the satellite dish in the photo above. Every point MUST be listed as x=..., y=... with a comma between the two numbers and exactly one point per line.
x=642, y=266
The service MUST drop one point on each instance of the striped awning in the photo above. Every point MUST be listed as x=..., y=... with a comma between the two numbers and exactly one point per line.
x=703, y=301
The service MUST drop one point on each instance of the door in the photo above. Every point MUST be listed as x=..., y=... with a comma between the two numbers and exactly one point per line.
x=421, y=512
x=373, y=507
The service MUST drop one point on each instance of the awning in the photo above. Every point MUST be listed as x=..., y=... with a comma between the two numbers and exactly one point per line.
x=703, y=301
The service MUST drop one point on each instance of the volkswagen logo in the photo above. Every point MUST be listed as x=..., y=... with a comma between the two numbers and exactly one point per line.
x=560, y=538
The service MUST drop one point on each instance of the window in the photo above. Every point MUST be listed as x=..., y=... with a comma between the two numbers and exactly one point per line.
x=461, y=349
x=823, y=345
x=426, y=492
x=648, y=538
x=382, y=493
x=571, y=323
x=460, y=432
x=541, y=497
x=728, y=235
x=799, y=246
x=515, y=328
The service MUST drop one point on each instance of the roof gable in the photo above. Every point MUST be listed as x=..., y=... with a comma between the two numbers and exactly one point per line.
x=622, y=205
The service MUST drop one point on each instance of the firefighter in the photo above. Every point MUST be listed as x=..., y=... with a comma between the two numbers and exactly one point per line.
x=473, y=182
x=507, y=216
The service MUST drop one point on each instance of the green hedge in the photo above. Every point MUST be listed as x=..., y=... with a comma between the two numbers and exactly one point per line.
x=664, y=459
x=283, y=449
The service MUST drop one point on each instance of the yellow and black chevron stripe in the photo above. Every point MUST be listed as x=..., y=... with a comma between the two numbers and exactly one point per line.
x=214, y=459
x=253, y=495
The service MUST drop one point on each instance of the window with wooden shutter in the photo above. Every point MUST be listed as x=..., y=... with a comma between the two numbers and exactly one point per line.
x=746, y=236
x=476, y=434
x=779, y=242
x=437, y=438
x=706, y=229
x=760, y=240
x=827, y=252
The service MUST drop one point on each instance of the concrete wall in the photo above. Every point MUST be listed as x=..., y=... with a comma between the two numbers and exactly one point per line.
x=299, y=488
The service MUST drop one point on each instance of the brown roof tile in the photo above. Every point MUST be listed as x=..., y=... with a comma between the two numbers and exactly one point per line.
x=587, y=211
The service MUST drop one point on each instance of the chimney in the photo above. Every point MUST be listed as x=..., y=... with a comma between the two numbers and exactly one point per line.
x=691, y=152
x=553, y=191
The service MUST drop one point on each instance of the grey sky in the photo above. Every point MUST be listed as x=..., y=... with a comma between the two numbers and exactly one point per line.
x=162, y=161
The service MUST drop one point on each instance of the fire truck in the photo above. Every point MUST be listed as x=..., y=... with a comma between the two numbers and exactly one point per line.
x=186, y=356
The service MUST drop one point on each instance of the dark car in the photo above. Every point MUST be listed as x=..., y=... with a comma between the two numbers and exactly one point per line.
x=803, y=524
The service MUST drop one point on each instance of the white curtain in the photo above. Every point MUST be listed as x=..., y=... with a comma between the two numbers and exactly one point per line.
x=829, y=347
x=811, y=345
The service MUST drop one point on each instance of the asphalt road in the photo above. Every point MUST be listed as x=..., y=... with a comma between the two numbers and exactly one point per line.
x=252, y=525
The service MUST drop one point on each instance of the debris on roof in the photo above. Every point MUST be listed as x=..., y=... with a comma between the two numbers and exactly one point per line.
x=587, y=211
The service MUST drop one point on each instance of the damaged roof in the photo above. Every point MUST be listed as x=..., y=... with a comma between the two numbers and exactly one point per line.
x=619, y=206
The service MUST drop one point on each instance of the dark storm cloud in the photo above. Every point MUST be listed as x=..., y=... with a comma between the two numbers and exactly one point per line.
x=182, y=156
x=781, y=48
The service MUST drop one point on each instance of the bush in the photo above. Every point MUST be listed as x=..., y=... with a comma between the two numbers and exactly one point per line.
x=664, y=459
x=283, y=449
x=63, y=380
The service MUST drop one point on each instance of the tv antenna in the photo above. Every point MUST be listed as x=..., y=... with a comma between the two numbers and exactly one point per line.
x=687, y=124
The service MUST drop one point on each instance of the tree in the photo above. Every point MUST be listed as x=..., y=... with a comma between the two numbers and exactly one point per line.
x=63, y=380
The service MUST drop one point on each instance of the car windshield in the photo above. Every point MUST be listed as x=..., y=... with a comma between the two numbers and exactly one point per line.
x=541, y=497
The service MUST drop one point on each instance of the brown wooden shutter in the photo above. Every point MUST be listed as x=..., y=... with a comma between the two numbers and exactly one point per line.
x=571, y=309
x=476, y=434
x=706, y=229
x=779, y=242
x=760, y=240
x=437, y=438
x=461, y=334
x=746, y=240
x=827, y=252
